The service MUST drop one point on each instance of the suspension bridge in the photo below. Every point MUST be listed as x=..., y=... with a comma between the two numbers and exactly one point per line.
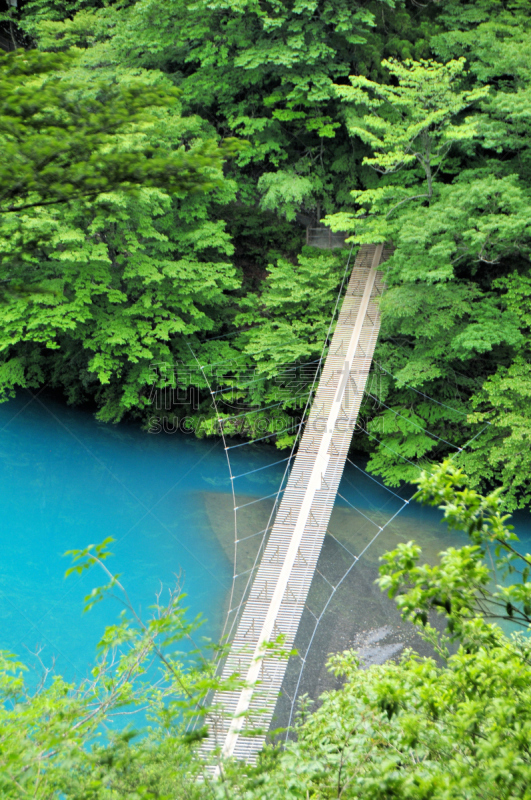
x=278, y=593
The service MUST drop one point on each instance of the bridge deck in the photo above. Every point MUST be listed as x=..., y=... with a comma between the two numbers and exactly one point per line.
x=280, y=588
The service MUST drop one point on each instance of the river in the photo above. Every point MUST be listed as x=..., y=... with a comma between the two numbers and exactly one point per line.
x=69, y=481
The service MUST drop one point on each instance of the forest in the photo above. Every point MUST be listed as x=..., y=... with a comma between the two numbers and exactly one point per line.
x=386, y=120
x=161, y=165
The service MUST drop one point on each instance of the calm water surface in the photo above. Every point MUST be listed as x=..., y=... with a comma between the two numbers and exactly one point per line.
x=68, y=481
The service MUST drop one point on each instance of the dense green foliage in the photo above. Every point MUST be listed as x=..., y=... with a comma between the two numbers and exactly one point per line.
x=449, y=142
x=451, y=726
x=60, y=137
x=395, y=120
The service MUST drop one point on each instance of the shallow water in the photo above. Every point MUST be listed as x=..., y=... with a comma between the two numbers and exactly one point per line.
x=68, y=481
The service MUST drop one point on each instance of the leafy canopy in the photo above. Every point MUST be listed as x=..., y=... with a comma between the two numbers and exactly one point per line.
x=413, y=122
x=449, y=155
x=60, y=137
x=419, y=147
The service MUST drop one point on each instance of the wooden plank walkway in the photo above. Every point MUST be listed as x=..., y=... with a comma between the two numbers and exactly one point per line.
x=278, y=594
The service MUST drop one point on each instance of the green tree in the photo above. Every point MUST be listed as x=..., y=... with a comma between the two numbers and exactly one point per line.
x=264, y=72
x=452, y=196
x=410, y=123
x=124, y=281
x=110, y=221
x=503, y=402
x=61, y=139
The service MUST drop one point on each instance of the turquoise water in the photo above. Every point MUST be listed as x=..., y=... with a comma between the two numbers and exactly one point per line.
x=68, y=481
